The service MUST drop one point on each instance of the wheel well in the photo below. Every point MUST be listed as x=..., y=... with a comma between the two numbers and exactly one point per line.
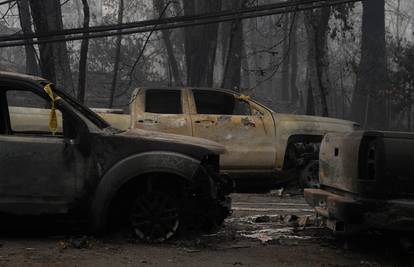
x=300, y=149
x=121, y=204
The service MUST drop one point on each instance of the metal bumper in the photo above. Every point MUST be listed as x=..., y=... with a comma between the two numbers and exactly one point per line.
x=346, y=214
x=340, y=212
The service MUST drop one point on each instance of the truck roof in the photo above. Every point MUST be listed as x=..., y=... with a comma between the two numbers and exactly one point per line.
x=20, y=76
x=190, y=87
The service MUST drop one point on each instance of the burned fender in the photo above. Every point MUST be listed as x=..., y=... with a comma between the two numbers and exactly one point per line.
x=132, y=167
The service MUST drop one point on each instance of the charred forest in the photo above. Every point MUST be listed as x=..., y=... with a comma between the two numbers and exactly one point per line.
x=353, y=60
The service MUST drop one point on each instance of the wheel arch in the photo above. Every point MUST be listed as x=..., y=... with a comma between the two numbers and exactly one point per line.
x=295, y=139
x=136, y=167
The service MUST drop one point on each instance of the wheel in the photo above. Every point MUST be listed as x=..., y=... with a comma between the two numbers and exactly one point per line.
x=154, y=217
x=309, y=176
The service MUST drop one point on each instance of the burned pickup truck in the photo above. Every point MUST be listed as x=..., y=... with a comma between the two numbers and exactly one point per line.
x=367, y=181
x=72, y=162
x=264, y=149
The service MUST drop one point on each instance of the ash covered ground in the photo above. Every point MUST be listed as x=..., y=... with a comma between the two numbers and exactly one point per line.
x=264, y=230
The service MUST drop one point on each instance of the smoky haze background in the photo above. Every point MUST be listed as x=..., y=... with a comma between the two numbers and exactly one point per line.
x=353, y=61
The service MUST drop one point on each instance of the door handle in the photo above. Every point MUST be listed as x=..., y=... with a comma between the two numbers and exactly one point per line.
x=204, y=121
x=147, y=121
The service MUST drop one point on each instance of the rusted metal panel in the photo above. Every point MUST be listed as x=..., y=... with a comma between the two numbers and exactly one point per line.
x=249, y=140
x=249, y=145
x=338, y=160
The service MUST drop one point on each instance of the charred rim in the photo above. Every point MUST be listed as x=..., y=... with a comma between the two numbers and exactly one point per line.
x=309, y=176
x=155, y=216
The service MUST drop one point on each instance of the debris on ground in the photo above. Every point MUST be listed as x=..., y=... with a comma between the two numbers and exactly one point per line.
x=82, y=242
x=291, y=219
x=267, y=235
x=248, y=238
x=262, y=219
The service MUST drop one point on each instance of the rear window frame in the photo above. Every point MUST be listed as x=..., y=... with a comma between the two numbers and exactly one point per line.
x=226, y=94
x=154, y=90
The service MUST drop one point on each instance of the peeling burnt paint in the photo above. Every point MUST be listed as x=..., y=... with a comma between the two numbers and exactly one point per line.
x=247, y=122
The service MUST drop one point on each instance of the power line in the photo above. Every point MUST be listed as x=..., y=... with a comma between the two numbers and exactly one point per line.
x=267, y=7
x=168, y=23
x=7, y=2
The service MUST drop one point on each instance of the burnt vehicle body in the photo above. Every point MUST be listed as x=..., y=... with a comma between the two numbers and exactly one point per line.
x=87, y=169
x=264, y=149
x=367, y=181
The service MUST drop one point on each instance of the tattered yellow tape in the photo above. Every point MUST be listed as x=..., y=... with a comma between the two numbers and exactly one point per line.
x=244, y=97
x=53, y=121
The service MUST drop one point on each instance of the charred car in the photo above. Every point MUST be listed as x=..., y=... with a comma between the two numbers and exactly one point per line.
x=367, y=181
x=72, y=162
x=264, y=149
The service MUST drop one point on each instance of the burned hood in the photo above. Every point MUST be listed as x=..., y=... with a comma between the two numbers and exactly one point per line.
x=314, y=124
x=312, y=119
x=174, y=139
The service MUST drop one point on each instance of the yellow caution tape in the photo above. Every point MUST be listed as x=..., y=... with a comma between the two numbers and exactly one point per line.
x=53, y=121
x=244, y=97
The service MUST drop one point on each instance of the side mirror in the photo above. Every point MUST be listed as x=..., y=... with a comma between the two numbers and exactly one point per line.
x=75, y=130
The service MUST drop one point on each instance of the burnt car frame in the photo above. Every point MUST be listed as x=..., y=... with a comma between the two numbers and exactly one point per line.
x=90, y=171
x=367, y=181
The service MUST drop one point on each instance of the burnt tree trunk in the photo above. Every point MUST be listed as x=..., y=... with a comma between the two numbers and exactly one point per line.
x=26, y=24
x=64, y=73
x=117, y=55
x=317, y=27
x=294, y=59
x=233, y=65
x=54, y=58
x=83, y=54
x=41, y=25
x=310, y=103
x=166, y=37
x=200, y=44
x=79, y=10
x=368, y=103
x=285, y=58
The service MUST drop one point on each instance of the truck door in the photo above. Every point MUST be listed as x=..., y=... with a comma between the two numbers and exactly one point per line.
x=230, y=120
x=38, y=170
x=163, y=110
